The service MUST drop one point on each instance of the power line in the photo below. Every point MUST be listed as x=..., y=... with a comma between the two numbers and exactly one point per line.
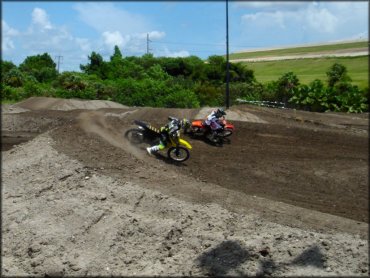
x=187, y=43
x=213, y=44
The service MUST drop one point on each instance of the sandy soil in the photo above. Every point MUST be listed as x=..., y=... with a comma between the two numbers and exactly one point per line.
x=287, y=197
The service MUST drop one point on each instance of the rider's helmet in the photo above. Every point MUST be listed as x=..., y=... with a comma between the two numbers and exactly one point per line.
x=220, y=112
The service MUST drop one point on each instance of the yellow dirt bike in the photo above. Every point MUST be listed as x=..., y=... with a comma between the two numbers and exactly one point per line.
x=178, y=149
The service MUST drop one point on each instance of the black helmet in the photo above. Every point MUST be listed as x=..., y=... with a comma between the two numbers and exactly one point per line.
x=220, y=112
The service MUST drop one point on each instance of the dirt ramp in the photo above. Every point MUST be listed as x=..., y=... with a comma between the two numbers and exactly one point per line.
x=159, y=116
x=46, y=103
x=232, y=114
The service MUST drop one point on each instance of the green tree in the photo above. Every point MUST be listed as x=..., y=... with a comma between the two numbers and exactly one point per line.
x=240, y=73
x=194, y=67
x=216, y=69
x=348, y=98
x=180, y=98
x=157, y=73
x=42, y=67
x=148, y=60
x=209, y=95
x=71, y=81
x=11, y=93
x=117, y=54
x=173, y=66
x=312, y=97
x=96, y=66
x=6, y=66
x=246, y=91
x=337, y=72
x=286, y=86
x=14, y=78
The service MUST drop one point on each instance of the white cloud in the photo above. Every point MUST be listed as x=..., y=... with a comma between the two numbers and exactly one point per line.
x=112, y=39
x=107, y=17
x=42, y=36
x=312, y=18
x=153, y=35
x=7, y=44
x=41, y=19
x=8, y=33
x=118, y=27
x=156, y=35
x=259, y=19
x=295, y=23
x=84, y=44
x=321, y=20
x=167, y=53
x=7, y=30
x=264, y=6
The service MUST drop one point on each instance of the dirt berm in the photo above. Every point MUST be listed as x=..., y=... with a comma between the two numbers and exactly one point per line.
x=287, y=197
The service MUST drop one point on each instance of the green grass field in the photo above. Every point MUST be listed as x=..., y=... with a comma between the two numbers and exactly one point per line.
x=308, y=70
x=300, y=50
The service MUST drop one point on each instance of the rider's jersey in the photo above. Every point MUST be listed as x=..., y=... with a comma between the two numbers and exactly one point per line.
x=213, y=120
x=171, y=129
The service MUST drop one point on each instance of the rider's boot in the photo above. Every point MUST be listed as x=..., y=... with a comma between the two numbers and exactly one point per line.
x=213, y=135
x=152, y=150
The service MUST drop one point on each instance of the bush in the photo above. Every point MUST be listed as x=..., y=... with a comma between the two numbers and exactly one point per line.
x=11, y=93
x=70, y=81
x=6, y=66
x=14, y=78
x=42, y=67
x=209, y=95
x=179, y=99
x=336, y=73
x=32, y=89
x=286, y=87
x=245, y=91
x=312, y=97
x=348, y=98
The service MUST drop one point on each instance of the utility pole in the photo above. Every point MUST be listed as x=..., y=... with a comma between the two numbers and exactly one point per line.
x=227, y=57
x=59, y=61
x=147, y=44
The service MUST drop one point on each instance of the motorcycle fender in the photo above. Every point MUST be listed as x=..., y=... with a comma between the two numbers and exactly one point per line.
x=229, y=126
x=185, y=143
x=197, y=123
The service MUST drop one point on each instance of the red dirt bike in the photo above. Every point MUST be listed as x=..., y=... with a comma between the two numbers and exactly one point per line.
x=198, y=128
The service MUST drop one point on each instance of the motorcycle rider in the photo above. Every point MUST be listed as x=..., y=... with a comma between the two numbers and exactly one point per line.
x=171, y=129
x=213, y=121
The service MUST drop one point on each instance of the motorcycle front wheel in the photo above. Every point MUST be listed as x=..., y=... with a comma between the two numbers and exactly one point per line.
x=178, y=154
x=134, y=136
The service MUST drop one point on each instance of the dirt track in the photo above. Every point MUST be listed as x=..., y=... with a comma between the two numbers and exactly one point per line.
x=291, y=187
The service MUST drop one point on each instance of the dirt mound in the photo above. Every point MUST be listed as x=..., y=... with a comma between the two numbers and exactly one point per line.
x=46, y=103
x=287, y=197
x=232, y=115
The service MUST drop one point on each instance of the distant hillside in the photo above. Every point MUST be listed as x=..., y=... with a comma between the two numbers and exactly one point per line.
x=309, y=62
x=337, y=48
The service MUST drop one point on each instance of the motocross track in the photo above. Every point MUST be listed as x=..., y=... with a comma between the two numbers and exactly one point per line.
x=288, y=196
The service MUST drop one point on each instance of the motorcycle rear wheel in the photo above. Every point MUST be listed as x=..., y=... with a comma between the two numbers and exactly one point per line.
x=134, y=136
x=178, y=154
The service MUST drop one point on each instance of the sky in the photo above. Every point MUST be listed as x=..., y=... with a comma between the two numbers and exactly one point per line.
x=70, y=31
